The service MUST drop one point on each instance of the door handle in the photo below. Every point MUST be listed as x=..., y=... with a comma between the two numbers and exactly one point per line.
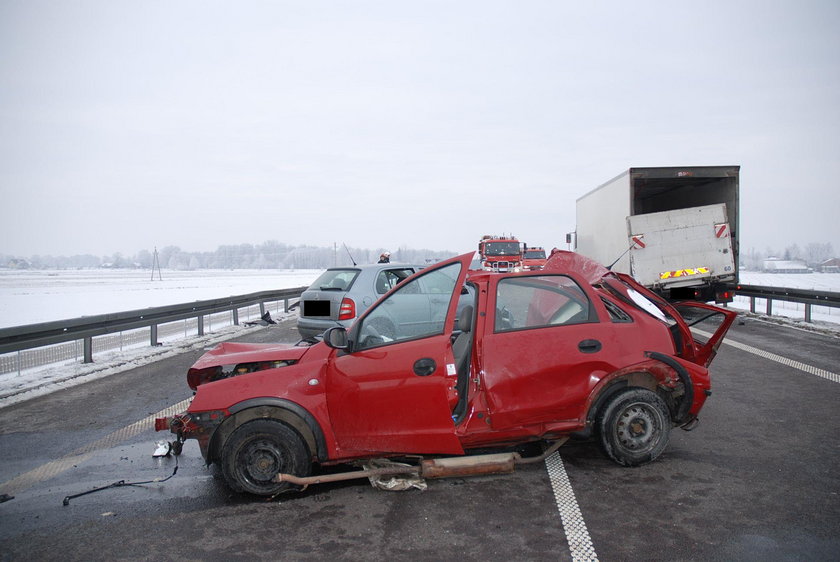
x=589, y=346
x=424, y=367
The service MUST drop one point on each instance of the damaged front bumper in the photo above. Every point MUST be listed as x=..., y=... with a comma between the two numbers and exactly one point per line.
x=192, y=425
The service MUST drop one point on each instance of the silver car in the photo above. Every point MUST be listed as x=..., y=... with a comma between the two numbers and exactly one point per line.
x=342, y=294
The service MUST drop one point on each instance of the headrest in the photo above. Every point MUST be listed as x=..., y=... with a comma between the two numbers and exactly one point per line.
x=465, y=319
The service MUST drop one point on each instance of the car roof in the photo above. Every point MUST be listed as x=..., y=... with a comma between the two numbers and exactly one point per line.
x=365, y=266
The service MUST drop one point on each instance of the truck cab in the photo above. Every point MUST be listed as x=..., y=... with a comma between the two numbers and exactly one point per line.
x=501, y=254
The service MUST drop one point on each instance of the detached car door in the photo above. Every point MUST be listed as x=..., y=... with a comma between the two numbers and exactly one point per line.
x=389, y=390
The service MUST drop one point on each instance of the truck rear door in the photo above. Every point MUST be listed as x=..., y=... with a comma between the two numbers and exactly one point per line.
x=680, y=248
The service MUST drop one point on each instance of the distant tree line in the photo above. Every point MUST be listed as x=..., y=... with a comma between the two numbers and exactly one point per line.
x=268, y=255
x=276, y=255
x=811, y=255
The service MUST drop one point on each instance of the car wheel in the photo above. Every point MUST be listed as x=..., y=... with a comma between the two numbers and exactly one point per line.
x=259, y=450
x=634, y=427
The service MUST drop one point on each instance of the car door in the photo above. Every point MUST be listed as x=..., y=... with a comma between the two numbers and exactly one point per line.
x=546, y=351
x=389, y=392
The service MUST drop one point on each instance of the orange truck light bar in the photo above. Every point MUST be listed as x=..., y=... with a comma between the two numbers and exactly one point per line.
x=683, y=272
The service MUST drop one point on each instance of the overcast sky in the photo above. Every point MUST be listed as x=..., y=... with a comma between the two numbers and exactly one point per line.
x=130, y=125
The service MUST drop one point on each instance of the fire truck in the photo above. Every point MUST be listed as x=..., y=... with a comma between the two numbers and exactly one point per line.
x=500, y=253
x=533, y=257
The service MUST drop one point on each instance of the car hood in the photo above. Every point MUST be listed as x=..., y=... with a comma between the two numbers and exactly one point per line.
x=231, y=353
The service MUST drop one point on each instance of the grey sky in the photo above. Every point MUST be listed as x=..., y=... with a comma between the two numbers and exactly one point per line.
x=129, y=125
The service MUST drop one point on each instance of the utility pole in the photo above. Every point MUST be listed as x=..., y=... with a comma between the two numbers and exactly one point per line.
x=156, y=264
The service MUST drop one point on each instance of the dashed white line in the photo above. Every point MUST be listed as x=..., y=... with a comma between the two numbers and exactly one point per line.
x=804, y=367
x=580, y=544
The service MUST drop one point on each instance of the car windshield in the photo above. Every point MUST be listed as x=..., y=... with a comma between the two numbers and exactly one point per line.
x=501, y=249
x=335, y=280
x=535, y=254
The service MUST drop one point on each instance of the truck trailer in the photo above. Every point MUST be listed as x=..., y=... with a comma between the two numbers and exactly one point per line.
x=674, y=229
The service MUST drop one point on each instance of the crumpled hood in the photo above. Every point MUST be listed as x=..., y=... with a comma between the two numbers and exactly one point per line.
x=231, y=353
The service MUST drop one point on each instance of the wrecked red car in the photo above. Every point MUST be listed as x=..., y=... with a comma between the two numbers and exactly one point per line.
x=572, y=350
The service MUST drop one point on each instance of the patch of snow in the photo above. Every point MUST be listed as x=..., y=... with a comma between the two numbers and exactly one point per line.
x=31, y=383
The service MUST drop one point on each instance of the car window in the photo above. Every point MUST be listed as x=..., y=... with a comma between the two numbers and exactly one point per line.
x=631, y=296
x=412, y=311
x=335, y=280
x=389, y=278
x=540, y=301
x=617, y=314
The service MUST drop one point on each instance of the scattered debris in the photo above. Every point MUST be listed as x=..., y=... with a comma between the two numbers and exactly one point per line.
x=163, y=449
x=393, y=482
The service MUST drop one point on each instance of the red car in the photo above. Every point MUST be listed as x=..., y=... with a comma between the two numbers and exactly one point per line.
x=570, y=350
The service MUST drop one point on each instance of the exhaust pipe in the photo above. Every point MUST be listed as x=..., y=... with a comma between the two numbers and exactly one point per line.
x=448, y=467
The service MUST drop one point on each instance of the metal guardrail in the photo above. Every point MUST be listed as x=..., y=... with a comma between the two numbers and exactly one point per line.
x=806, y=297
x=19, y=338
x=84, y=329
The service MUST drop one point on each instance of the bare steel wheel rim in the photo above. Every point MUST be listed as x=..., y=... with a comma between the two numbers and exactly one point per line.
x=639, y=427
x=262, y=460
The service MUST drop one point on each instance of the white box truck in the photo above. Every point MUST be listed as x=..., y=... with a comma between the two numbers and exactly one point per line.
x=674, y=229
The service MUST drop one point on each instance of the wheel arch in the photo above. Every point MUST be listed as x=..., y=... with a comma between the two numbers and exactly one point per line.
x=621, y=382
x=278, y=409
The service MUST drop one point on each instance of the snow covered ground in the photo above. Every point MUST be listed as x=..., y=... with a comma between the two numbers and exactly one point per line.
x=28, y=297
x=810, y=281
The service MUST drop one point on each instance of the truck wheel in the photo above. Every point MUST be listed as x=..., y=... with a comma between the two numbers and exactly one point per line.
x=259, y=450
x=634, y=427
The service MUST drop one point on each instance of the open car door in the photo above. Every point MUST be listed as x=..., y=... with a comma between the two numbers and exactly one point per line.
x=708, y=325
x=388, y=391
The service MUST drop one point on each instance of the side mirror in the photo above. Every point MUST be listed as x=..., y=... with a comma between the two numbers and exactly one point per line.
x=336, y=337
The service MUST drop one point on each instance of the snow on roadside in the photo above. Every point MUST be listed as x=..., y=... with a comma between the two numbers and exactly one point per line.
x=31, y=383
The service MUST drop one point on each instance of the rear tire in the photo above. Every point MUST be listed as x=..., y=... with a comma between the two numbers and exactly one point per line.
x=259, y=450
x=634, y=427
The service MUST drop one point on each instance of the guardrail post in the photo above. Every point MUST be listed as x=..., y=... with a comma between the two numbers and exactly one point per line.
x=769, y=307
x=262, y=309
x=286, y=305
x=807, y=312
x=235, y=316
x=153, y=335
x=752, y=305
x=201, y=325
x=88, y=341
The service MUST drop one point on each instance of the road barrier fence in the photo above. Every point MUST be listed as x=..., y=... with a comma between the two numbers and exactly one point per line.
x=131, y=328
x=64, y=340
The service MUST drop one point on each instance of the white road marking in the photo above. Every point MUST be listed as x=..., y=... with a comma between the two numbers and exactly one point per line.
x=53, y=468
x=580, y=544
x=805, y=368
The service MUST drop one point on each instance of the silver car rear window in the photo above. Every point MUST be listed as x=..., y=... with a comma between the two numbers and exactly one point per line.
x=335, y=280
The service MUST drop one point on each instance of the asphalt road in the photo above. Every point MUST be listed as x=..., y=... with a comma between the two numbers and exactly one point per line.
x=756, y=480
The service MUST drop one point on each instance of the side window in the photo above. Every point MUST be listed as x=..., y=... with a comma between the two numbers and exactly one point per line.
x=617, y=315
x=416, y=309
x=536, y=302
x=389, y=278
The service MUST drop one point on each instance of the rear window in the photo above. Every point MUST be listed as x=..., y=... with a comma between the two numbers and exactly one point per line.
x=335, y=280
x=631, y=296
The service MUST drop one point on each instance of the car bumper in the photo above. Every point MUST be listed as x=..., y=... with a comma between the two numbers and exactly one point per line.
x=311, y=327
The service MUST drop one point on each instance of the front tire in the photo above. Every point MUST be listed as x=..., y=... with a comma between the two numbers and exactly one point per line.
x=634, y=427
x=259, y=450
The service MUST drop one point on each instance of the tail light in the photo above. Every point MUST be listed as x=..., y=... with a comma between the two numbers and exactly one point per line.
x=347, y=310
x=724, y=296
